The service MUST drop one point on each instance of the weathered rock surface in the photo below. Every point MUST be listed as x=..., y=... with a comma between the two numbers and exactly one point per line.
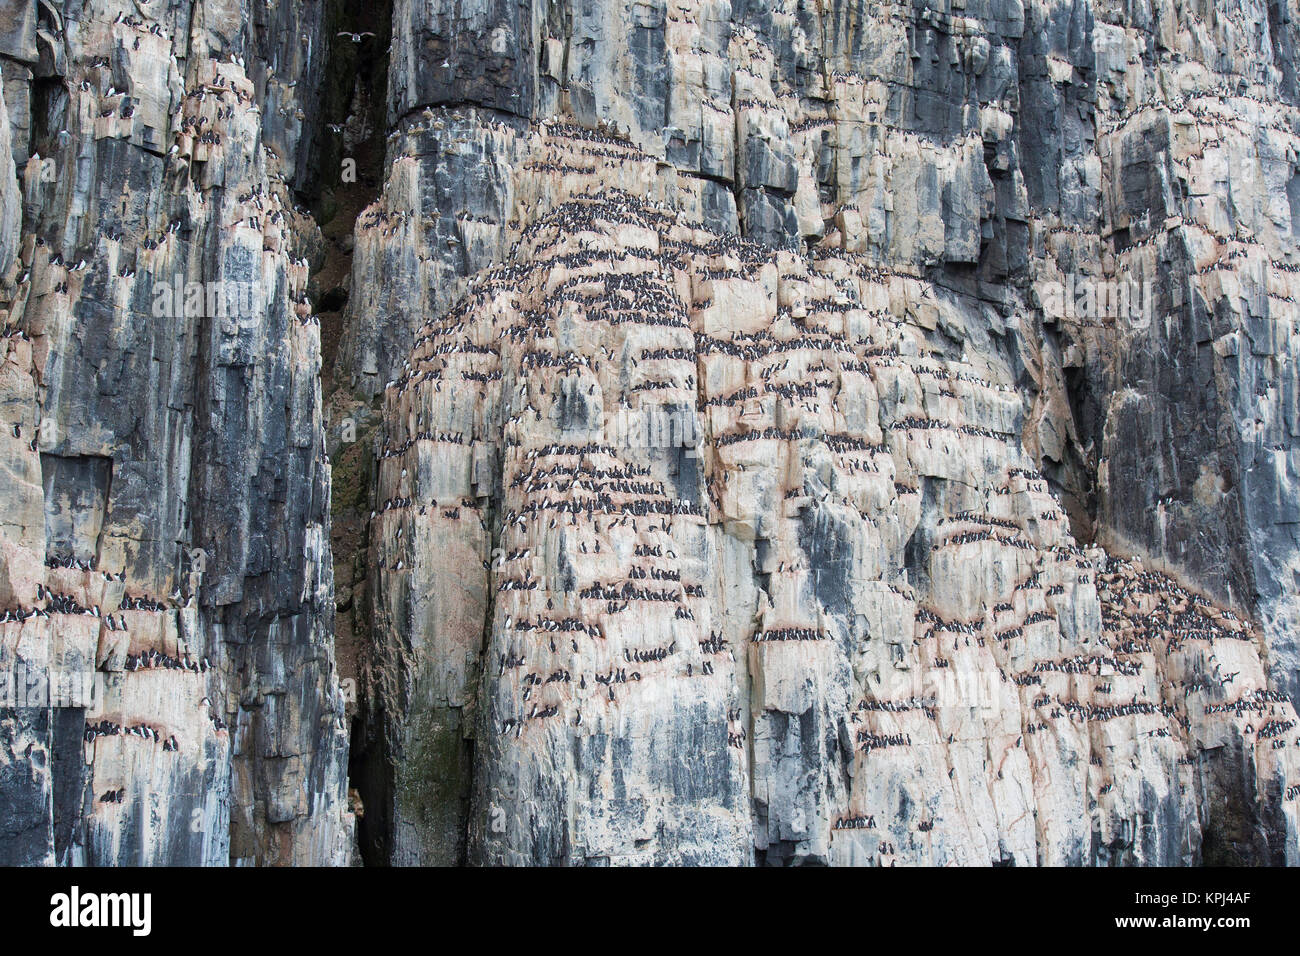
x=167, y=494
x=791, y=432
x=817, y=604
x=851, y=479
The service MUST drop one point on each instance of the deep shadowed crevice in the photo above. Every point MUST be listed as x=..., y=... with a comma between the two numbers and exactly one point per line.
x=345, y=177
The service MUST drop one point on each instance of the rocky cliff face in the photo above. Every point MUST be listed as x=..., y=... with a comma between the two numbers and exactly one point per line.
x=785, y=432
x=166, y=527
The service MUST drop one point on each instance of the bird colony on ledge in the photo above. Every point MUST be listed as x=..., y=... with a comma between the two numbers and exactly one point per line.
x=837, y=431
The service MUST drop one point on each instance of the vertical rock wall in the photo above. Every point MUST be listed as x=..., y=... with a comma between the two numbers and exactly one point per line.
x=169, y=514
x=852, y=477
x=800, y=431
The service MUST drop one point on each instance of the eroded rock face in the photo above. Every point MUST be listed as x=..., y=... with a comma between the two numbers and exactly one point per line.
x=167, y=493
x=791, y=432
x=926, y=521
x=763, y=572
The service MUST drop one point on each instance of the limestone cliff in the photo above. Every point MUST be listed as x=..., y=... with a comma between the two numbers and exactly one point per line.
x=690, y=432
x=166, y=520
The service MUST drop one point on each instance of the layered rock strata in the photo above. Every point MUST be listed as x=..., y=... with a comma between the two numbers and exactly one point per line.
x=790, y=432
x=1001, y=299
x=165, y=535
x=763, y=571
